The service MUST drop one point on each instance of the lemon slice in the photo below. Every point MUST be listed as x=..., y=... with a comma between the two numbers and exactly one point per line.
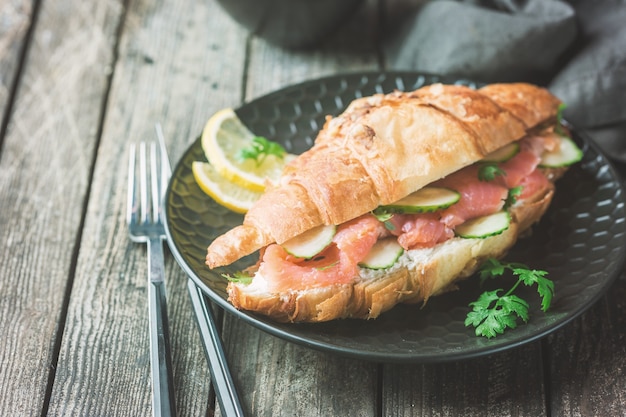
x=223, y=138
x=223, y=191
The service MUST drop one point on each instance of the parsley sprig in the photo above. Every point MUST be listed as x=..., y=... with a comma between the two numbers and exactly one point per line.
x=493, y=313
x=489, y=171
x=384, y=216
x=239, y=277
x=512, y=195
x=260, y=148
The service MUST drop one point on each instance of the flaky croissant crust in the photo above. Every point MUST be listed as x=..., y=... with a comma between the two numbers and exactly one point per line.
x=382, y=148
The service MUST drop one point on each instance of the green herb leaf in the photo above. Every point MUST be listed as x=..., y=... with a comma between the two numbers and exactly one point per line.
x=383, y=216
x=559, y=120
x=512, y=195
x=484, y=301
x=512, y=304
x=239, y=278
x=493, y=313
x=489, y=172
x=260, y=148
x=545, y=287
x=490, y=269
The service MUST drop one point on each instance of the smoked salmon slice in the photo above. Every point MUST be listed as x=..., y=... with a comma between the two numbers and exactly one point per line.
x=422, y=230
x=337, y=264
x=478, y=198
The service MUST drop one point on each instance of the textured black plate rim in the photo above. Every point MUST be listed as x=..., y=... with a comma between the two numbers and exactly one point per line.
x=270, y=327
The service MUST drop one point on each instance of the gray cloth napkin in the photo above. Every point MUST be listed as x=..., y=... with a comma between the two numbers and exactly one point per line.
x=576, y=48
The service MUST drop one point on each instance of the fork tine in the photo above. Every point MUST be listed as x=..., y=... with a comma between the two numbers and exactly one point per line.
x=143, y=182
x=131, y=190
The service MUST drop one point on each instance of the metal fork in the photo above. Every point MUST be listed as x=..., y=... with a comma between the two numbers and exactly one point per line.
x=146, y=188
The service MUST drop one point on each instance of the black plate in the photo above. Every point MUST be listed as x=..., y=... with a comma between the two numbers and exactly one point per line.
x=580, y=240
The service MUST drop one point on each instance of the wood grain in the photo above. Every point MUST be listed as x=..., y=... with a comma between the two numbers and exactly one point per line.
x=170, y=70
x=15, y=19
x=277, y=378
x=40, y=210
x=503, y=384
x=588, y=360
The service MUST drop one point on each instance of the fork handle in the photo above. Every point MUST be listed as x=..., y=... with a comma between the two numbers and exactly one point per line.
x=163, y=400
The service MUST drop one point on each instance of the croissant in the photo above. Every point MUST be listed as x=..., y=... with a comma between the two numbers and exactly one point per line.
x=379, y=150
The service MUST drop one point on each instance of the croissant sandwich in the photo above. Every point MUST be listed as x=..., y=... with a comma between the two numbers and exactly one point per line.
x=401, y=195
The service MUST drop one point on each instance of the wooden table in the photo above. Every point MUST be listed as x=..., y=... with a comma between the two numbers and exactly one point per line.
x=80, y=81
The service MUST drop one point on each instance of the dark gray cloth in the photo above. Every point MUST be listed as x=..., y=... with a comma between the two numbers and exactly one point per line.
x=576, y=48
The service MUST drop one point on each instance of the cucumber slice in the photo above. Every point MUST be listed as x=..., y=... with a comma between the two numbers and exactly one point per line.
x=566, y=154
x=503, y=154
x=484, y=226
x=311, y=242
x=383, y=254
x=426, y=200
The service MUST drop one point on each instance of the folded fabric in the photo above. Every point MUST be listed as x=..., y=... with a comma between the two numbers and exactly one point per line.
x=577, y=48
x=593, y=81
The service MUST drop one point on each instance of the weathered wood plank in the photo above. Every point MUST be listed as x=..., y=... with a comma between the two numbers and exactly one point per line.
x=588, y=357
x=15, y=19
x=505, y=384
x=46, y=144
x=278, y=378
x=172, y=69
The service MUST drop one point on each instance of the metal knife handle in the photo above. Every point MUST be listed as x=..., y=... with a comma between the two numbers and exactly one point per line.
x=225, y=390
